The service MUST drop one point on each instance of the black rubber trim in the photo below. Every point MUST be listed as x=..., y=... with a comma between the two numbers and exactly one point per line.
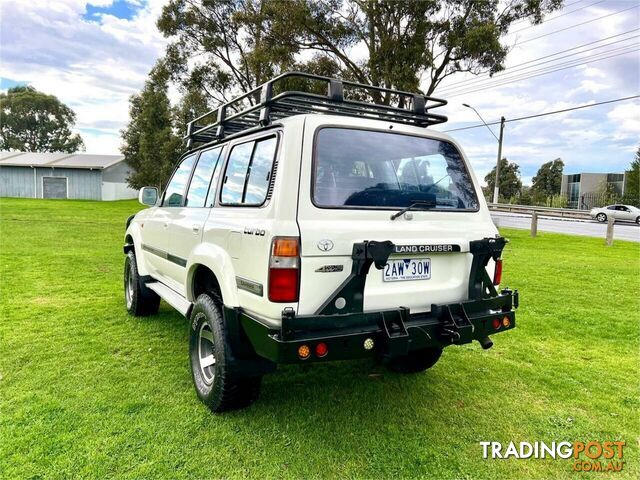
x=166, y=255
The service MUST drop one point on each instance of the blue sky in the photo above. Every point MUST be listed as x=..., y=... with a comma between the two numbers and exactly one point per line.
x=119, y=9
x=94, y=55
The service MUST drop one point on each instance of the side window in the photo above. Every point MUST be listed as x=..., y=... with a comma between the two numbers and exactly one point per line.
x=211, y=197
x=249, y=172
x=174, y=194
x=201, y=178
x=260, y=172
x=612, y=207
x=236, y=174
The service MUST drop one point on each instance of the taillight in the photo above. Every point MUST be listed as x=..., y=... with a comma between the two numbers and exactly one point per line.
x=497, y=274
x=284, y=270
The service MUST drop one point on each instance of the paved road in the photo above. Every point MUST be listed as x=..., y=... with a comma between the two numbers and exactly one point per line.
x=621, y=231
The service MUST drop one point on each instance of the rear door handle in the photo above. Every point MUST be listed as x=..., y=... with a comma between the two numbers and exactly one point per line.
x=166, y=224
x=195, y=228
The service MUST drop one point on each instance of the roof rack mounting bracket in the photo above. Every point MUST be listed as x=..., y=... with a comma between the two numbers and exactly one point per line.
x=419, y=104
x=266, y=93
x=222, y=115
x=335, y=92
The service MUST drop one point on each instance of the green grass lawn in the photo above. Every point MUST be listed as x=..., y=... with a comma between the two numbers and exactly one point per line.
x=88, y=391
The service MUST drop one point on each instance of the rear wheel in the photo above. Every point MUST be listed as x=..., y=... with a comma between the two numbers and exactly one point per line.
x=139, y=299
x=416, y=361
x=209, y=354
x=601, y=217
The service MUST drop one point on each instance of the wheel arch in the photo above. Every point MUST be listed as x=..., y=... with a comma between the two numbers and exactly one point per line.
x=133, y=241
x=210, y=267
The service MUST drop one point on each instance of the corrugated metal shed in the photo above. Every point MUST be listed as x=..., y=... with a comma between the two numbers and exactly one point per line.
x=64, y=175
x=58, y=160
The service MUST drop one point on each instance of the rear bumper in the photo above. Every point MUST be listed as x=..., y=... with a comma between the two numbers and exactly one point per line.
x=393, y=332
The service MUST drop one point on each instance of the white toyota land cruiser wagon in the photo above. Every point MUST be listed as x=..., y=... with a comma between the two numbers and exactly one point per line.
x=311, y=227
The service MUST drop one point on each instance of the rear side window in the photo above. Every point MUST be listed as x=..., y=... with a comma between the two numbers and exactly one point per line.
x=249, y=172
x=372, y=169
x=174, y=194
x=197, y=194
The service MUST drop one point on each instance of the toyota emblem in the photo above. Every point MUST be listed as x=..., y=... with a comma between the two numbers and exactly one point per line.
x=325, y=245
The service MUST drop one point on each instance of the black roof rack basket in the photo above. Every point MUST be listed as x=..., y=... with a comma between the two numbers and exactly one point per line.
x=260, y=106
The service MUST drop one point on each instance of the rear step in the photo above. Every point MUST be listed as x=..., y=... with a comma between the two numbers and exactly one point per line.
x=172, y=297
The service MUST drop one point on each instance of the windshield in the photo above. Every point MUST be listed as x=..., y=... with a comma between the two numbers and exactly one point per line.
x=363, y=168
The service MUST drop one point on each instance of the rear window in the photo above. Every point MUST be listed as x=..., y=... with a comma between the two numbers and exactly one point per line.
x=371, y=169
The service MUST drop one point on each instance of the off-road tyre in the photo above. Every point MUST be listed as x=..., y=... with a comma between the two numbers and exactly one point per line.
x=601, y=217
x=416, y=361
x=139, y=299
x=215, y=385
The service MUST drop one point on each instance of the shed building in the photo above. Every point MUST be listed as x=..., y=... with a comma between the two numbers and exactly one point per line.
x=64, y=175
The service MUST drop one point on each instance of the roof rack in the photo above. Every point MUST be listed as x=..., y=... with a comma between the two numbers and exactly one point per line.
x=259, y=107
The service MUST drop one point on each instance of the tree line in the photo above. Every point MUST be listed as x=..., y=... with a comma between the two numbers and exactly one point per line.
x=546, y=185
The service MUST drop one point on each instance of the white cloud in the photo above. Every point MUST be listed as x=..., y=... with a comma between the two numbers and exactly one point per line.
x=92, y=66
x=627, y=119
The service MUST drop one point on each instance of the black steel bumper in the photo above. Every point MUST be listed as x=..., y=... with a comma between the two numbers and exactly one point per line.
x=388, y=333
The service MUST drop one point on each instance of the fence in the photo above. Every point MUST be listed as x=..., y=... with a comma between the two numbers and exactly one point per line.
x=585, y=201
x=548, y=211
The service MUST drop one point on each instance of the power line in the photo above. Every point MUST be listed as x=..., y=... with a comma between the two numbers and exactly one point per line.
x=588, y=105
x=504, y=80
x=524, y=20
x=557, y=16
x=576, y=25
x=509, y=70
x=518, y=73
x=529, y=74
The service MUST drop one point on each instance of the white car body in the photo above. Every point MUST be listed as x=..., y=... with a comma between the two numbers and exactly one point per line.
x=311, y=228
x=619, y=212
x=234, y=242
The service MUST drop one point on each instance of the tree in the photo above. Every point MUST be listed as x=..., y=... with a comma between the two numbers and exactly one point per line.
x=548, y=180
x=150, y=145
x=238, y=44
x=632, y=182
x=509, y=183
x=32, y=121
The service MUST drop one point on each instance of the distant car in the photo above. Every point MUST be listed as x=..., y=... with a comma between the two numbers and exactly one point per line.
x=625, y=213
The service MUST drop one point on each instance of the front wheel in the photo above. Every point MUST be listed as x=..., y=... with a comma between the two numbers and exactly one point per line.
x=209, y=354
x=416, y=361
x=601, y=217
x=638, y=220
x=139, y=299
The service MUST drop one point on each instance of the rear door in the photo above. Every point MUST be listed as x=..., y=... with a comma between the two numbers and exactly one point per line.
x=186, y=222
x=356, y=179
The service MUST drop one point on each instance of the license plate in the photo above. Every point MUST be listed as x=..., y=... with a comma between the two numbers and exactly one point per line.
x=407, y=269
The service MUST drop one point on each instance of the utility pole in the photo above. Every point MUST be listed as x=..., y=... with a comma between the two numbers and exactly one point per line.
x=496, y=188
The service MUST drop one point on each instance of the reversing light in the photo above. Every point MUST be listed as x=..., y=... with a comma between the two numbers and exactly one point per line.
x=322, y=349
x=497, y=323
x=497, y=273
x=506, y=322
x=304, y=352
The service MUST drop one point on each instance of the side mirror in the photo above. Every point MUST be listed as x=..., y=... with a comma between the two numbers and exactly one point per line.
x=148, y=196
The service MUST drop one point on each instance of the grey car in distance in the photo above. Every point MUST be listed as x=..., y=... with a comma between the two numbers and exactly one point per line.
x=624, y=213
